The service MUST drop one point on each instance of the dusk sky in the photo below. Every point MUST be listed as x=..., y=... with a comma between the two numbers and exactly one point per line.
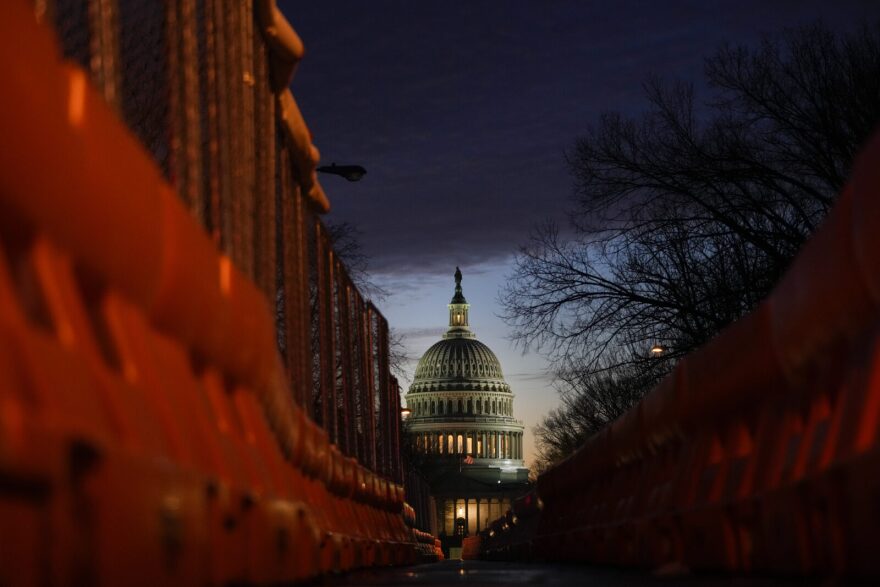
x=462, y=113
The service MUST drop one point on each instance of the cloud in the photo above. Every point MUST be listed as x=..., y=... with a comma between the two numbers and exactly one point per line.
x=461, y=112
x=428, y=332
x=529, y=376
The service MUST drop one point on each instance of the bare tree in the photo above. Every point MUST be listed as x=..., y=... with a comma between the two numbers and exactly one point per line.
x=347, y=246
x=591, y=398
x=685, y=218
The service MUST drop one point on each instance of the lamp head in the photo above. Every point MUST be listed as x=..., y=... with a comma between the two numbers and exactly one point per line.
x=349, y=172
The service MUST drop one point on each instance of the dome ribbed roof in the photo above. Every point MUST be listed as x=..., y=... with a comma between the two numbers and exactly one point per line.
x=459, y=364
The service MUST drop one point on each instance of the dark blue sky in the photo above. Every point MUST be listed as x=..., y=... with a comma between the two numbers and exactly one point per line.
x=462, y=112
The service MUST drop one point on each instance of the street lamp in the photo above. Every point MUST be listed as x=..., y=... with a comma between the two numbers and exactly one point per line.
x=404, y=412
x=349, y=172
x=658, y=349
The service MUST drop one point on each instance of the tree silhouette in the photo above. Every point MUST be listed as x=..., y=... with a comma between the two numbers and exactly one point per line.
x=686, y=217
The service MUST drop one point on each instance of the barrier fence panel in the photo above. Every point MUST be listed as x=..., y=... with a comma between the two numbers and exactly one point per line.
x=193, y=81
x=191, y=388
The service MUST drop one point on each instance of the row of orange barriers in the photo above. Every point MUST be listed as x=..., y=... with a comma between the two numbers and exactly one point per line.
x=511, y=536
x=427, y=545
x=147, y=431
x=760, y=452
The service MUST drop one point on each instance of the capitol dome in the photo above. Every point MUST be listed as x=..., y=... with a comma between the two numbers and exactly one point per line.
x=461, y=421
x=459, y=364
x=458, y=401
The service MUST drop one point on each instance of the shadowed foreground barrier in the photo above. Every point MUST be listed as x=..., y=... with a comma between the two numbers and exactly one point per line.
x=760, y=452
x=148, y=433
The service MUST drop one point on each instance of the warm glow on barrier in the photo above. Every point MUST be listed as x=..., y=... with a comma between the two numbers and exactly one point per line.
x=225, y=267
x=76, y=101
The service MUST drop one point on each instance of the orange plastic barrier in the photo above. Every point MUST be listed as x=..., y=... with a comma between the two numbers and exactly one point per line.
x=470, y=548
x=760, y=451
x=147, y=434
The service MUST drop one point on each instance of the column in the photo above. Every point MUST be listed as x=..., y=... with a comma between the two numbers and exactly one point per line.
x=497, y=445
x=478, y=515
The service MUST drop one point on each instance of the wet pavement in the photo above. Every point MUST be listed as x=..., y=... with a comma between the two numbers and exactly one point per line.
x=479, y=573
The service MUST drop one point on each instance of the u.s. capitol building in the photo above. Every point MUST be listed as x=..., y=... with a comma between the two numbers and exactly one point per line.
x=461, y=422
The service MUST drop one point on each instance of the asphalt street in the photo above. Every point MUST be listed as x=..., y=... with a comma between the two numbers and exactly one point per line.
x=480, y=573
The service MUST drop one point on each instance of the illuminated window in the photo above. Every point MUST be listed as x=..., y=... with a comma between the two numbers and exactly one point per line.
x=460, y=444
x=470, y=445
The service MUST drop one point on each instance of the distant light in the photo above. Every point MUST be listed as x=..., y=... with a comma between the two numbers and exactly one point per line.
x=460, y=512
x=405, y=412
x=658, y=349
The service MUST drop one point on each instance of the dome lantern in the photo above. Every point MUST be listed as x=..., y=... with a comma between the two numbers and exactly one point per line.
x=458, y=312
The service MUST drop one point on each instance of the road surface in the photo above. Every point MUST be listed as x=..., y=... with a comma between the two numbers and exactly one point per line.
x=480, y=573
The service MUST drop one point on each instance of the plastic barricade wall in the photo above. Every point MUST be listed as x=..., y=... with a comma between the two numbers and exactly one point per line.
x=147, y=431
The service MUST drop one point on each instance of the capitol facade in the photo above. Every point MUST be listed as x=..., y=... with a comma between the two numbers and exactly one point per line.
x=462, y=424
